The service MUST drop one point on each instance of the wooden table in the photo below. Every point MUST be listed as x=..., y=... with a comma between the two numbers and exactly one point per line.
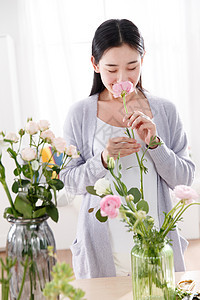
x=120, y=288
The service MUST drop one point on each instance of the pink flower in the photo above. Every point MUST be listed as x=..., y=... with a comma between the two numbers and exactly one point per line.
x=31, y=127
x=186, y=193
x=48, y=135
x=110, y=206
x=43, y=125
x=59, y=144
x=28, y=154
x=72, y=151
x=124, y=87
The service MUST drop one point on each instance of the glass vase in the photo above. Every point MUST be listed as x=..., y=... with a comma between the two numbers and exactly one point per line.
x=153, y=278
x=28, y=241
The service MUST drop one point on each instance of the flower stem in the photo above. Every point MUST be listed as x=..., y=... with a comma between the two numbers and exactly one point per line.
x=137, y=156
x=177, y=218
x=9, y=197
x=23, y=278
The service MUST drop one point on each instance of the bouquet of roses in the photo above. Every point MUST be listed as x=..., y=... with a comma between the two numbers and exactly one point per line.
x=36, y=181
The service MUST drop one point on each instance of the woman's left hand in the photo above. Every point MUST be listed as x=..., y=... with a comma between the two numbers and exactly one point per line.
x=145, y=127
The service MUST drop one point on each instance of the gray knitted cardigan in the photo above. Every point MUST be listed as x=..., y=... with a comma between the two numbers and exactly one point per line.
x=92, y=254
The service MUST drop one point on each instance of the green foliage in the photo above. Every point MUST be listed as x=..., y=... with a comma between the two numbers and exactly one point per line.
x=180, y=294
x=91, y=190
x=136, y=194
x=62, y=274
x=143, y=205
x=23, y=205
x=100, y=217
x=36, y=182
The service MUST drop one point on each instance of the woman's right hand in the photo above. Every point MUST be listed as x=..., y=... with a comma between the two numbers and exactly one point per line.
x=119, y=145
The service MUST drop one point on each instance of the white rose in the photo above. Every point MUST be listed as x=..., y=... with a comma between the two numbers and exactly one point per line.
x=43, y=125
x=28, y=154
x=48, y=135
x=59, y=144
x=102, y=187
x=72, y=151
x=31, y=127
x=12, y=137
x=35, y=165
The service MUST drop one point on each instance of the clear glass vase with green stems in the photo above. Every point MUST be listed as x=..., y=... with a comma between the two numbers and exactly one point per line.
x=153, y=276
x=27, y=242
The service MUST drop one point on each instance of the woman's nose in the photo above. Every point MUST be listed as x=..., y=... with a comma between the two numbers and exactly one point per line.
x=121, y=76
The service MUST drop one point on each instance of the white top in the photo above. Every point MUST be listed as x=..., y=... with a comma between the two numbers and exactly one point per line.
x=121, y=240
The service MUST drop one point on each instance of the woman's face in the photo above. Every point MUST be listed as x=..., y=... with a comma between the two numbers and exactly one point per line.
x=119, y=64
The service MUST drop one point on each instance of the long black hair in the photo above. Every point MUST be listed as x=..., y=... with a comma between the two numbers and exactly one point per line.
x=114, y=33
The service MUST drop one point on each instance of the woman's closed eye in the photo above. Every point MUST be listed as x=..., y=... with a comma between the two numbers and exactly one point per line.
x=132, y=69
x=112, y=71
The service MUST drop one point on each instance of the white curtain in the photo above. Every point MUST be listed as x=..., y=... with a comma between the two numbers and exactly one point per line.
x=55, y=47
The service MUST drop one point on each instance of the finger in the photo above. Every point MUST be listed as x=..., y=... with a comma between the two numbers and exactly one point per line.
x=126, y=152
x=135, y=123
x=126, y=146
x=127, y=116
x=122, y=139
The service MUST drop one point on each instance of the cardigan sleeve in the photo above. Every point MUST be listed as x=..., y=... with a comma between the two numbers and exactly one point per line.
x=171, y=159
x=88, y=168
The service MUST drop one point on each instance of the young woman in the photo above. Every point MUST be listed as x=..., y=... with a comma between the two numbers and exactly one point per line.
x=96, y=127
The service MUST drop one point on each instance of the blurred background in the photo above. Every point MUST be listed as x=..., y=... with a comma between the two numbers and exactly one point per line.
x=45, y=49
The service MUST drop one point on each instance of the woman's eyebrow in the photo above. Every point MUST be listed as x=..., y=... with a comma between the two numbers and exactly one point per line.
x=132, y=62
x=129, y=63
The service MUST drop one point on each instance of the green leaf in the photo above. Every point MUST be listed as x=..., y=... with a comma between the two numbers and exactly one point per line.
x=52, y=212
x=56, y=168
x=24, y=182
x=59, y=185
x=124, y=188
x=17, y=171
x=39, y=212
x=23, y=205
x=100, y=217
x=136, y=194
x=26, y=171
x=143, y=205
x=12, y=153
x=48, y=173
x=90, y=189
x=2, y=172
x=7, y=211
x=15, y=187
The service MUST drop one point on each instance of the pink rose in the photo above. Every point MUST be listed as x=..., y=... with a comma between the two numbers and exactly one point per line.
x=125, y=87
x=110, y=206
x=48, y=135
x=186, y=193
x=43, y=125
x=59, y=144
x=31, y=127
x=28, y=154
x=72, y=151
x=12, y=137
